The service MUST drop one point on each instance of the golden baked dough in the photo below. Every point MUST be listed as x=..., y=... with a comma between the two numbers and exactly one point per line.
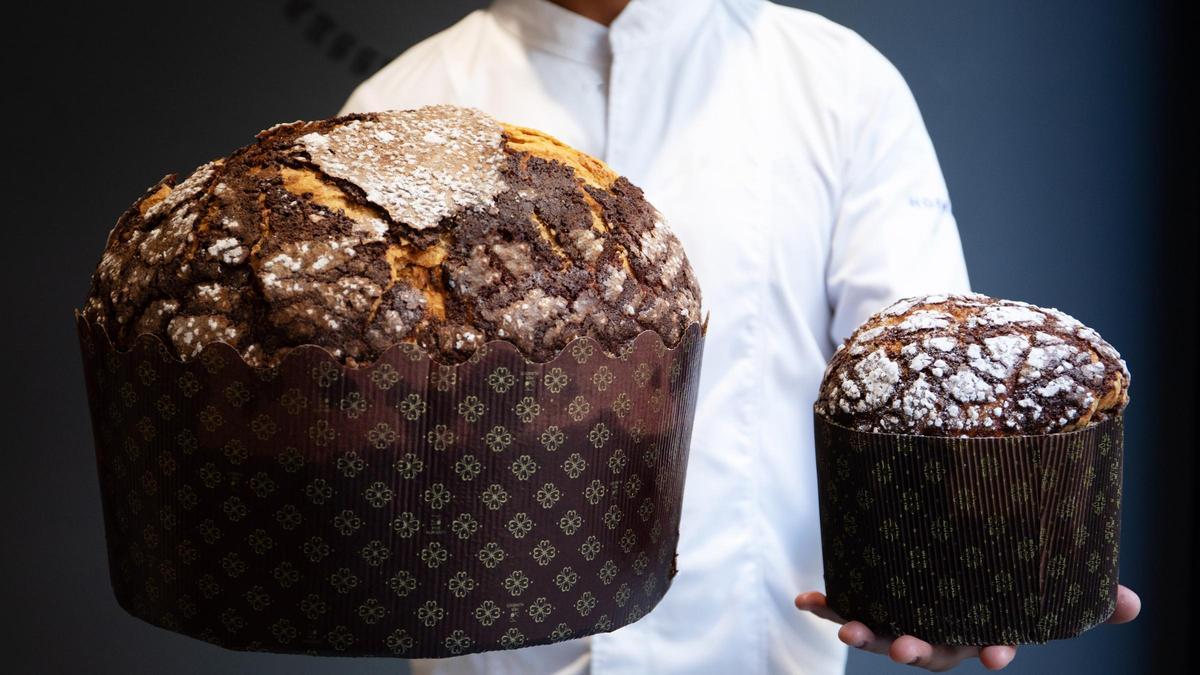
x=593, y=171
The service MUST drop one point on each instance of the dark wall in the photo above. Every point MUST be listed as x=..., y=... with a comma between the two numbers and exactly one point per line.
x=1053, y=121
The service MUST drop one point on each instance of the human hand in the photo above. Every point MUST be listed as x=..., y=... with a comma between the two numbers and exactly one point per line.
x=913, y=651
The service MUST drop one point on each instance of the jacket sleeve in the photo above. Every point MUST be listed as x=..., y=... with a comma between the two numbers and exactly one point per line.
x=894, y=234
x=362, y=99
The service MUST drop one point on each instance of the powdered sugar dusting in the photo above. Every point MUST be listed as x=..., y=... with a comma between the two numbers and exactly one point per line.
x=924, y=320
x=419, y=165
x=228, y=250
x=999, y=315
x=878, y=375
x=942, y=343
x=1007, y=350
x=967, y=387
x=185, y=191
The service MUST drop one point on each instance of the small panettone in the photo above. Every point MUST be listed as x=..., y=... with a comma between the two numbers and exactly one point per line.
x=437, y=226
x=970, y=365
x=958, y=440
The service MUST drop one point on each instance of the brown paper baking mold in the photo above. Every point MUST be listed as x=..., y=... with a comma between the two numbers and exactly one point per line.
x=404, y=508
x=971, y=541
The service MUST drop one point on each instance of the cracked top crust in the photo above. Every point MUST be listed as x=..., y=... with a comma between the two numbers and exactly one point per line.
x=970, y=365
x=437, y=226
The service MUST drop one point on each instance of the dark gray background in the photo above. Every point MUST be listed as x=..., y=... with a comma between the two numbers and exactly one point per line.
x=1057, y=129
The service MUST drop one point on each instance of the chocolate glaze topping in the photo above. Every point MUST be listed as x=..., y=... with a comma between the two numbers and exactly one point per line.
x=970, y=365
x=437, y=226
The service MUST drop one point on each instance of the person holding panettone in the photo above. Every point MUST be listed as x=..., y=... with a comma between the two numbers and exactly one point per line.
x=794, y=165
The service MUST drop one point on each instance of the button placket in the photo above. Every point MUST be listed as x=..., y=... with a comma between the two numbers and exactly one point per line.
x=615, y=94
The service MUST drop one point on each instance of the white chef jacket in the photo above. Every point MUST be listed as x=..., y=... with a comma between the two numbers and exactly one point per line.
x=791, y=160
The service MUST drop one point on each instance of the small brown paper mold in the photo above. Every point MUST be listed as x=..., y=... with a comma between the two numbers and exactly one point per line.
x=971, y=541
x=404, y=508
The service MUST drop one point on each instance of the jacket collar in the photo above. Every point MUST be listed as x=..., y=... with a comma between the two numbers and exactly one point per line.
x=541, y=24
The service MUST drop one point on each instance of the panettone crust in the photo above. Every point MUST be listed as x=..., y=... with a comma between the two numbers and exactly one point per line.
x=970, y=365
x=437, y=226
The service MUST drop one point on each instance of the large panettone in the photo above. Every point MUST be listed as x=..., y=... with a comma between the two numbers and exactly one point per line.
x=438, y=226
x=970, y=365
